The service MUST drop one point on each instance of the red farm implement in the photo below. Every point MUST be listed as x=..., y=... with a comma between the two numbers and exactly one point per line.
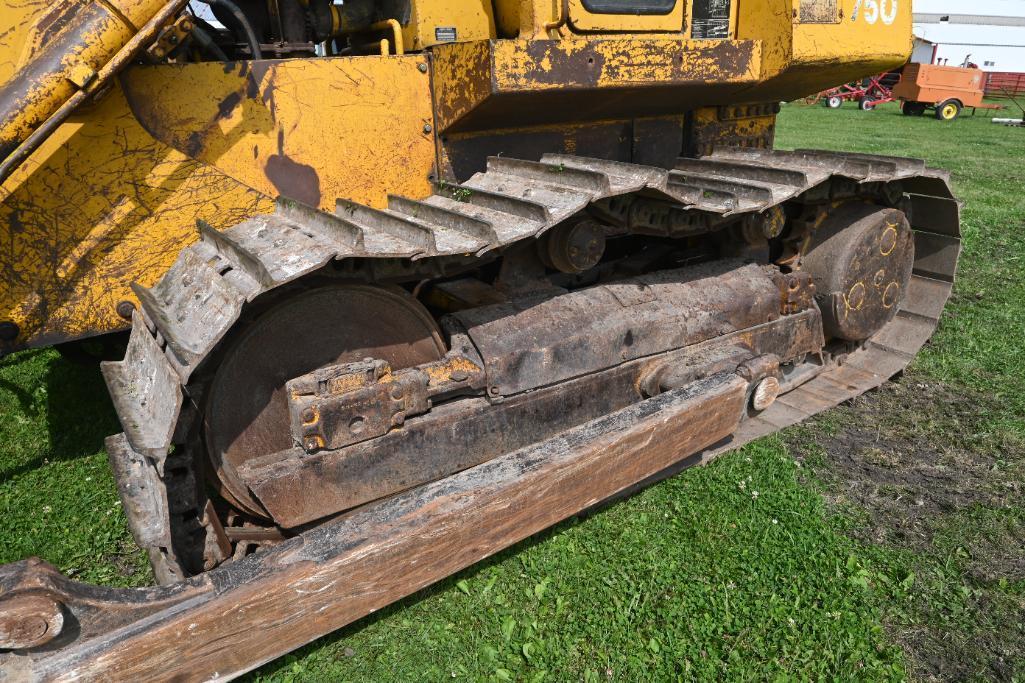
x=868, y=93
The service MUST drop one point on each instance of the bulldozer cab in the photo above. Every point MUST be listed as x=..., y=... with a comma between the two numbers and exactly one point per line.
x=625, y=15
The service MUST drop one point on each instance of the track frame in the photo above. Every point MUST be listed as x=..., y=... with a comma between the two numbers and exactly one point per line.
x=233, y=618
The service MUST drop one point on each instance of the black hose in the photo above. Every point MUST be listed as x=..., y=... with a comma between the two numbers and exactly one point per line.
x=240, y=17
x=207, y=43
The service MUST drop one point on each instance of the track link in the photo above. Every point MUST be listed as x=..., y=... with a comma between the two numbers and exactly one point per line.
x=186, y=314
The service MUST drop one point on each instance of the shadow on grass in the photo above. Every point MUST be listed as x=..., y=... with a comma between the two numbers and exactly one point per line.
x=21, y=394
x=73, y=418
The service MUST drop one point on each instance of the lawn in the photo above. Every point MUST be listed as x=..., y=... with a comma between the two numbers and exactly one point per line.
x=884, y=540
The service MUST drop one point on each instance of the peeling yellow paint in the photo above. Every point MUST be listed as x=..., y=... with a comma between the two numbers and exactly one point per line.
x=314, y=130
x=60, y=51
x=469, y=74
x=100, y=205
x=113, y=194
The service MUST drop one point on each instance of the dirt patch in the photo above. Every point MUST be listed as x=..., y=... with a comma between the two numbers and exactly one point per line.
x=939, y=472
x=910, y=452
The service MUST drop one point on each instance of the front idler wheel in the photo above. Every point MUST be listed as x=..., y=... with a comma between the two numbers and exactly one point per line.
x=246, y=412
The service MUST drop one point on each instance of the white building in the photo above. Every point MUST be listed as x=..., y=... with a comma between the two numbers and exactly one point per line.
x=988, y=33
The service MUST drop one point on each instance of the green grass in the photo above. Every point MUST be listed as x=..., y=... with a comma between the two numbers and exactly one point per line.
x=952, y=432
x=715, y=574
x=57, y=494
x=830, y=571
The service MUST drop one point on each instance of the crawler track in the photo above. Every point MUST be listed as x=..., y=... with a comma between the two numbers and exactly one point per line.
x=193, y=307
x=349, y=566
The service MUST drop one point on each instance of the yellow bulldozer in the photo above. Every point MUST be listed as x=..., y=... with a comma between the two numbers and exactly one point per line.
x=399, y=283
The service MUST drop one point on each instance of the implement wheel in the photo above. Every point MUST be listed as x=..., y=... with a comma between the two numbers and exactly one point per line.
x=833, y=101
x=913, y=108
x=865, y=104
x=948, y=110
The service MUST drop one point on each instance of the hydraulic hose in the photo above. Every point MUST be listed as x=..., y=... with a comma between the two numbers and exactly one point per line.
x=240, y=17
x=207, y=43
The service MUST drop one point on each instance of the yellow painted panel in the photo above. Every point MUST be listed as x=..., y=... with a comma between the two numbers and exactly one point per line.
x=310, y=129
x=621, y=62
x=769, y=22
x=801, y=55
x=442, y=21
x=16, y=22
x=869, y=31
x=62, y=52
x=472, y=77
x=100, y=205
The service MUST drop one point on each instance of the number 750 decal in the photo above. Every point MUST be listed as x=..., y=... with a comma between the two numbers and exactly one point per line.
x=874, y=10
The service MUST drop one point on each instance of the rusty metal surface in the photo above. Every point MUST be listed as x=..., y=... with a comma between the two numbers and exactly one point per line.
x=165, y=509
x=518, y=200
x=245, y=613
x=861, y=259
x=144, y=499
x=463, y=154
x=149, y=613
x=145, y=372
x=514, y=199
x=246, y=409
x=529, y=344
x=142, y=616
x=465, y=433
x=155, y=615
x=457, y=436
x=574, y=247
x=339, y=405
x=739, y=125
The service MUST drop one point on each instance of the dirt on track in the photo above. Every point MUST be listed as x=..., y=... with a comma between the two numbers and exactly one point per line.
x=924, y=473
